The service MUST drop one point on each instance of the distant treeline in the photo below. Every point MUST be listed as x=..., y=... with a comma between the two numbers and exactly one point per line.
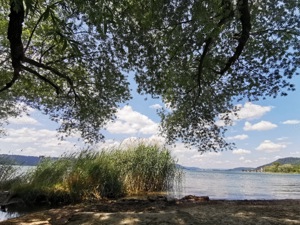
x=277, y=167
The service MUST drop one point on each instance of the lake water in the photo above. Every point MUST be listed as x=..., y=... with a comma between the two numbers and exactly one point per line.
x=232, y=185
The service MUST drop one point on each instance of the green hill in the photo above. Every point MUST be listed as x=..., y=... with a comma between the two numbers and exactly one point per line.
x=284, y=165
x=288, y=160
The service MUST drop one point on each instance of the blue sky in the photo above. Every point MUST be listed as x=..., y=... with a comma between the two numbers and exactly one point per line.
x=266, y=130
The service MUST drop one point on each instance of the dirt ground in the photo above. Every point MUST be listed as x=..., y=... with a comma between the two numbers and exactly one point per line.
x=162, y=211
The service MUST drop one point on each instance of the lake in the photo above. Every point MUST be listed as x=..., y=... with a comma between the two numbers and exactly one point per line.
x=233, y=185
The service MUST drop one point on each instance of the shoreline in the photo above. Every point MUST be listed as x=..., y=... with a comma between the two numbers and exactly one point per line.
x=159, y=210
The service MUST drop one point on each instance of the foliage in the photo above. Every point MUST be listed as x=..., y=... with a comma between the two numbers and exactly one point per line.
x=67, y=57
x=62, y=67
x=92, y=175
x=203, y=56
x=282, y=168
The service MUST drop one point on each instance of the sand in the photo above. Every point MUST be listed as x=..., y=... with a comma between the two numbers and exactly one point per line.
x=163, y=211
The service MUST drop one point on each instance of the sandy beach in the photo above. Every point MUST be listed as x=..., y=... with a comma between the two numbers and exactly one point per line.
x=162, y=211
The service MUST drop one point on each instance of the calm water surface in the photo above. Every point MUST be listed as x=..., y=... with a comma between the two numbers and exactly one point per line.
x=241, y=185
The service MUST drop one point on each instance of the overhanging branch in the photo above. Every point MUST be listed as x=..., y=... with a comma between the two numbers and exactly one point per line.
x=57, y=88
x=228, y=13
x=54, y=71
x=245, y=19
x=33, y=30
x=11, y=83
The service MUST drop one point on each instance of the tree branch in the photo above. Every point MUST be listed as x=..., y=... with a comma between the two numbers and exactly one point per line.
x=207, y=42
x=245, y=19
x=56, y=72
x=60, y=60
x=57, y=88
x=32, y=32
x=228, y=13
x=11, y=83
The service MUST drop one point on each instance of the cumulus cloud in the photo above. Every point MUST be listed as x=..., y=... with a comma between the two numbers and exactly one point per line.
x=263, y=125
x=291, y=122
x=131, y=122
x=156, y=106
x=252, y=111
x=240, y=151
x=248, y=111
x=23, y=120
x=269, y=146
x=35, y=142
x=238, y=137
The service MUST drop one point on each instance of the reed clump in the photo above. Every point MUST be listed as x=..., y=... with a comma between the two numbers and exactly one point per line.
x=110, y=173
x=9, y=174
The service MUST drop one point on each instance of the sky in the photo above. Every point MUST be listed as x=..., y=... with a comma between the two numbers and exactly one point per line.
x=265, y=131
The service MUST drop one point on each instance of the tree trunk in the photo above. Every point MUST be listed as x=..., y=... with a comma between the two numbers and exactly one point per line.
x=14, y=34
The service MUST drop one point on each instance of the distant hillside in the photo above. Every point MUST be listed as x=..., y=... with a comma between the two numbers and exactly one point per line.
x=241, y=169
x=189, y=168
x=20, y=159
x=288, y=160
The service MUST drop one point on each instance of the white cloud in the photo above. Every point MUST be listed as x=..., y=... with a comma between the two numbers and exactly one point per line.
x=269, y=146
x=282, y=139
x=206, y=155
x=240, y=151
x=248, y=111
x=23, y=119
x=156, y=106
x=291, y=122
x=252, y=111
x=238, y=137
x=245, y=161
x=131, y=122
x=35, y=142
x=263, y=125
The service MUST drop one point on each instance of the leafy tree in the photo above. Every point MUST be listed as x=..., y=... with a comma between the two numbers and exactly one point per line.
x=204, y=56
x=200, y=57
x=55, y=61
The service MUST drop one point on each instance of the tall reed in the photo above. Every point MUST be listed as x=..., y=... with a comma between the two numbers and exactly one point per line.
x=109, y=173
x=8, y=174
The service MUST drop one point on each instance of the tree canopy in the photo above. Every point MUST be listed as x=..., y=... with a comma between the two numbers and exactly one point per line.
x=68, y=58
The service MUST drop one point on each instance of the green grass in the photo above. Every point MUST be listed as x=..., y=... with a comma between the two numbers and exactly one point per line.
x=110, y=173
